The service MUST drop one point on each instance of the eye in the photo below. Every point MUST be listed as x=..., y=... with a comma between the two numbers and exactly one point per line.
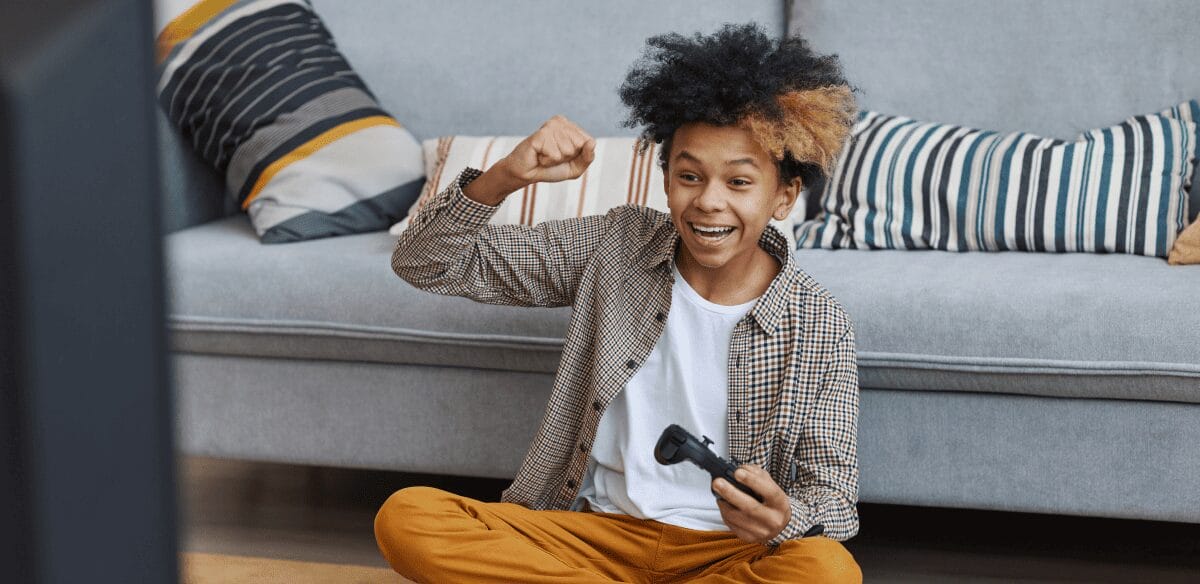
x=687, y=176
x=740, y=182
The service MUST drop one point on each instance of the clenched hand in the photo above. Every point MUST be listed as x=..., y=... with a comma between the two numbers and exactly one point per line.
x=559, y=150
x=750, y=520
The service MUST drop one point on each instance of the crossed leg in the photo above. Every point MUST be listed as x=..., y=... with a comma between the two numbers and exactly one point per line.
x=432, y=536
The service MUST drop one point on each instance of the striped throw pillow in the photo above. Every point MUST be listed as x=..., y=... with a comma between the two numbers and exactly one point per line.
x=1189, y=111
x=617, y=176
x=262, y=93
x=905, y=184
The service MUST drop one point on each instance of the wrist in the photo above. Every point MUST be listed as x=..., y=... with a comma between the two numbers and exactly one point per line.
x=494, y=185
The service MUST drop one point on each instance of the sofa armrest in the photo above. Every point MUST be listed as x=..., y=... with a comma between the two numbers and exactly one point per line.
x=192, y=191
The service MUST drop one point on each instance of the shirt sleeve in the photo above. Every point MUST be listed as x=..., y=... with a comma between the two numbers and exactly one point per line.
x=449, y=247
x=826, y=489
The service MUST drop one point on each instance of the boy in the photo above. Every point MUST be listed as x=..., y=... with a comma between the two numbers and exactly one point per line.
x=698, y=317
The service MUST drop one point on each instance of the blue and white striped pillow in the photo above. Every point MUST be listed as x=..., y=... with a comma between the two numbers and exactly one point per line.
x=1189, y=111
x=905, y=184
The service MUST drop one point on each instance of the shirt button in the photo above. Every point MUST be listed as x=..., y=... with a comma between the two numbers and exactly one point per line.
x=738, y=414
x=631, y=364
x=596, y=405
x=582, y=447
x=571, y=483
x=660, y=317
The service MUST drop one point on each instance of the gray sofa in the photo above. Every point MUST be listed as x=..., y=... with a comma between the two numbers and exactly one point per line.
x=1062, y=383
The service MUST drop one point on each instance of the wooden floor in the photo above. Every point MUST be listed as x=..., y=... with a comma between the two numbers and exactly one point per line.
x=325, y=515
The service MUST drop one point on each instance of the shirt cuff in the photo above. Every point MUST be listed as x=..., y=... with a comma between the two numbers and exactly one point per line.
x=466, y=210
x=798, y=524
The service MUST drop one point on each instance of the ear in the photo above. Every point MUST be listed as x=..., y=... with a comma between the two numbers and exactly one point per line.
x=666, y=180
x=788, y=194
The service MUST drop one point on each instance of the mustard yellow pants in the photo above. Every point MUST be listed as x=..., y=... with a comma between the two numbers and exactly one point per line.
x=433, y=536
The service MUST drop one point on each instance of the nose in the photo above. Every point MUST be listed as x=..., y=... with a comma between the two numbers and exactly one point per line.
x=712, y=198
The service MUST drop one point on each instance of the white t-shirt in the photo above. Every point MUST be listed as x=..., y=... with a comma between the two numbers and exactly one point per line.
x=684, y=381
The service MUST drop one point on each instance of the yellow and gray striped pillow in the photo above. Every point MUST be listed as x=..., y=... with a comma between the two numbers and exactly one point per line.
x=261, y=92
x=617, y=176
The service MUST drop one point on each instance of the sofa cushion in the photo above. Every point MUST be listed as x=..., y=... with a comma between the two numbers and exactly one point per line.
x=1071, y=325
x=337, y=298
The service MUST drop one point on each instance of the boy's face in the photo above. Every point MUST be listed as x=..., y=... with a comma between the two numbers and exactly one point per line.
x=718, y=177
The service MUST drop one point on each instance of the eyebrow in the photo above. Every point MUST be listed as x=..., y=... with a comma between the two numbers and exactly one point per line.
x=688, y=155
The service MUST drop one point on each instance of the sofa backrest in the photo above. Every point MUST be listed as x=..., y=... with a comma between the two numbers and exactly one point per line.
x=484, y=67
x=1053, y=68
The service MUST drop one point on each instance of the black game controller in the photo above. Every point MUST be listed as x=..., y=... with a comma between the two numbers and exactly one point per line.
x=677, y=445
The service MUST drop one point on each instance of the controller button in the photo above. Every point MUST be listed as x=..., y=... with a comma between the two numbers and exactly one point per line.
x=631, y=364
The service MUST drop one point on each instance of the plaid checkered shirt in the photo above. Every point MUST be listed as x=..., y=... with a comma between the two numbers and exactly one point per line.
x=793, y=376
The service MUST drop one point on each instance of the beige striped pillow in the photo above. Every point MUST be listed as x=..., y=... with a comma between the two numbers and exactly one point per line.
x=617, y=176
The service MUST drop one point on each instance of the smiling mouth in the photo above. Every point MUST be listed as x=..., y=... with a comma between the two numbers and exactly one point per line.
x=711, y=234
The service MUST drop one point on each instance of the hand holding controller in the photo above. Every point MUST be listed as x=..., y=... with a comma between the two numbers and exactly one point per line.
x=676, y=445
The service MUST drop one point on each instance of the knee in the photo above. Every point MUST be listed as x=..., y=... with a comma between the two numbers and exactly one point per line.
x=400, y=531
x=839, y=564
x=827, y=560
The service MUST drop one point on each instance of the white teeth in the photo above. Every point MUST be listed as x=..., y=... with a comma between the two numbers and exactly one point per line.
x=713, y=230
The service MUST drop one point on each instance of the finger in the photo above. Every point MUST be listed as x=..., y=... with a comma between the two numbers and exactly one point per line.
x=549, y=154
x=537, y=143
x=551, y=157
x=758, y=479
x=569, y=144
x=566, y=146
x=581, y=137
x=581, y=162
x=552, y=141
x=741, y=530
x=733, y=518
x=734, y=495
x=578, y=140
x=590, y=149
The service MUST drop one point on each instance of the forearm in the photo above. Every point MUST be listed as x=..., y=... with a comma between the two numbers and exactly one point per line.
x=451, y=248
x=494, y=185
x=827, y=455
x=436, y=249
x=815, y=505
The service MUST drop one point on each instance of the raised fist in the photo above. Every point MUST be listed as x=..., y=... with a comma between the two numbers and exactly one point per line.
x=557, y=151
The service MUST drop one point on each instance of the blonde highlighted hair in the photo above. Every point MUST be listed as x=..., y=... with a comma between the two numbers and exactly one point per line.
x=813, y=127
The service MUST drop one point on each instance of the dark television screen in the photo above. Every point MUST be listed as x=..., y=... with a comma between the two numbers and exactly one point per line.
x=85, y=405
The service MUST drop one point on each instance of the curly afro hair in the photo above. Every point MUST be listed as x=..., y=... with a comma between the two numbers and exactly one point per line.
x=795, y=103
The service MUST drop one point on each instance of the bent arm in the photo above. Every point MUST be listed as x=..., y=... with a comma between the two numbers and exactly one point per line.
x=451, y=248
x=826, y=489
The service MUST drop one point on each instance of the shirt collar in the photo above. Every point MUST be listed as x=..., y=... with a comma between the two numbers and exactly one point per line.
x=772, y=306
